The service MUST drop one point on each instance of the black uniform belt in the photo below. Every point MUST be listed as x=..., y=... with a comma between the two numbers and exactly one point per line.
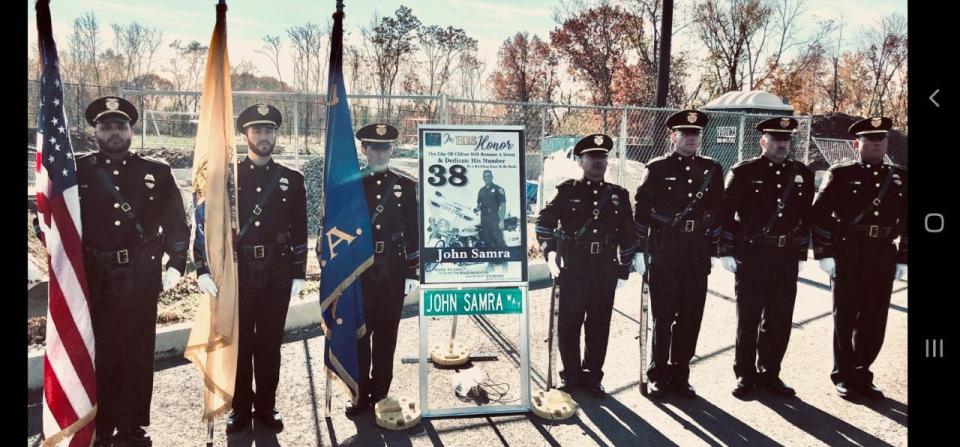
x=683, y=226
x=379, y=246
x=123, y=255
x=872, y=231
x=770, y=240
x=261, y=251
x=584, y=245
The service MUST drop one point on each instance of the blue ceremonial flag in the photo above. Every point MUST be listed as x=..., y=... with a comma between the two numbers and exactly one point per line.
x=346, y=242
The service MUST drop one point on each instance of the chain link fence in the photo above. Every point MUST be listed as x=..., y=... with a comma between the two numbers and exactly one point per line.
x=168, y=123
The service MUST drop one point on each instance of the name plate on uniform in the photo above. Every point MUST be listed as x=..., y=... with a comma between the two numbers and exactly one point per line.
x=439, y=302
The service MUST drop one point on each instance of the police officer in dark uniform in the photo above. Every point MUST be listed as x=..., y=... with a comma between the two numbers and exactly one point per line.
x=677, y=204
x=859, y=213
x=492, y=204
x=588, y=236
x=765, y=232
x=392, y=202
x=132, y=213
x=271, y=251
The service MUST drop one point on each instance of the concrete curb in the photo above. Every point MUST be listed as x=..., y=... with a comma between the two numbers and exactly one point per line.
x=172, y=340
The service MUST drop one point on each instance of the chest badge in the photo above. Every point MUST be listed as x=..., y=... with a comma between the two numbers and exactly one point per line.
x=397, y=191
x=149, y=181
x=798, y=179
x=284, y=184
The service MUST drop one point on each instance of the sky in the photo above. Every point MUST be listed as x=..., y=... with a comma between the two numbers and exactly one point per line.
x=488, y=21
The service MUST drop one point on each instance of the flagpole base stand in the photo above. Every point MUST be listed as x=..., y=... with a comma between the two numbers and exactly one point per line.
x=554, y=405
x=394, y=414
x=450, y=355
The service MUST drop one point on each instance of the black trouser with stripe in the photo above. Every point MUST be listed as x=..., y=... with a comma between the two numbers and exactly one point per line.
x=861, y=299
x=588, y=284
x=123, y=312
x=766, y=292
x=679, y=266
x=382, y=305
x=264, y=299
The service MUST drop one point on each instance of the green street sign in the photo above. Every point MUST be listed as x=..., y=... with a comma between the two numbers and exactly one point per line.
x=472, y=302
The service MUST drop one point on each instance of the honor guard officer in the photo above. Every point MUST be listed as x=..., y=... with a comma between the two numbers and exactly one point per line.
x=765, y=232
x=272, y=253
x=589, y=238
x=677, y=204
x=132, y=213
x=392, y=202
x=859, y=213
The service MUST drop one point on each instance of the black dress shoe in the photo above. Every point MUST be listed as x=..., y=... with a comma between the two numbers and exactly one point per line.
x=567, y=387
x=270, y=419
x=655, y=390
x=686, y=391
x=132, y=436
x=777, y=386
x=742, y=389
x=843, y=390
x=237, y=422
x=597, y=390
x=871, y=391
x=354, y=409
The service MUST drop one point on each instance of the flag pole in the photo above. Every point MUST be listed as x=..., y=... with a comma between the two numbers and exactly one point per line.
x=328, y=397
x=210, y=421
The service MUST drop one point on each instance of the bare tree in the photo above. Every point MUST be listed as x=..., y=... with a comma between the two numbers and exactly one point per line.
x=726, y=30
x=886, y=54
x=271, y=49
x=186, y=68
x=389, y=43
x=442, y=48
x=138, y=45
x=84, y=48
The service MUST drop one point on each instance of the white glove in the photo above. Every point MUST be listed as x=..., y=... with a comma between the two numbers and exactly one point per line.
x=206, y=284
x=901, y=270
x=296, y=288
x=170, y=278
x=410, y=284
x=829, y=265
x=552, y=264
x=621, y=282
x=800, y=266
x=729, y=263
x=639, y=264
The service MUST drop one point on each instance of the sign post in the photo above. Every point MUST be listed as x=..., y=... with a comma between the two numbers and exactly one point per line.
x=473, y=255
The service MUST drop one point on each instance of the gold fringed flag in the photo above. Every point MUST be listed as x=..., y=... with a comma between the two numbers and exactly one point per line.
x=214, y=339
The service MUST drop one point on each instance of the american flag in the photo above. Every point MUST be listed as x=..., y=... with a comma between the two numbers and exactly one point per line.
x=69, y=379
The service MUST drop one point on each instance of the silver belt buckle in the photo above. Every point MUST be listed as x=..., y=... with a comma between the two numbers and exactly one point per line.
x=123, y=257
x=688, y=226
x=258, y=252
x=379, y=247
x=874, y=231
x=594, y=248
x=781, y=241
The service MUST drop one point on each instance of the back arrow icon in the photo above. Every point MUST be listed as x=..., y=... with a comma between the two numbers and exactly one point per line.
x=931, y=98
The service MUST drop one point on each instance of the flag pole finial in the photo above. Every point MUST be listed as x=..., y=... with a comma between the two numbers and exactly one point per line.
x=340, y=6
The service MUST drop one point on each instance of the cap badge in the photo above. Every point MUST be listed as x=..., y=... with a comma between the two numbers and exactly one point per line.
x=692, y=117
x=263, y=109
x=113, y=103
x=381, y=129
x=784, y=122
x=598, y=140
x=876, y=122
